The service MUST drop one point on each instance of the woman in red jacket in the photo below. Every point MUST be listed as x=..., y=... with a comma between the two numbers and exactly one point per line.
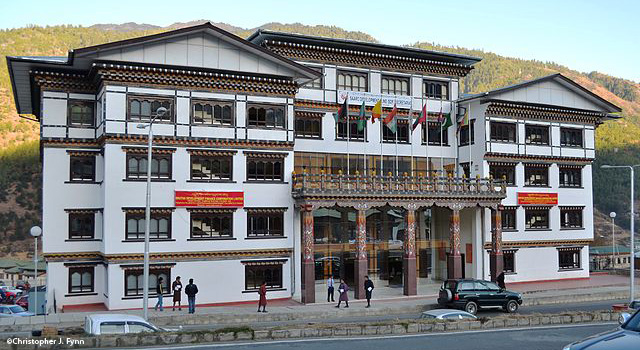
x=263, y=297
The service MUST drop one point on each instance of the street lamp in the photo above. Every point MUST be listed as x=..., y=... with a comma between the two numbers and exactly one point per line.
x=145, y=277
x=35, y=231
x=612, y=215
x=632, y=274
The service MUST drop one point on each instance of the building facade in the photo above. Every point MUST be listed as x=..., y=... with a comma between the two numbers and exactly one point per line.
x=253, y=179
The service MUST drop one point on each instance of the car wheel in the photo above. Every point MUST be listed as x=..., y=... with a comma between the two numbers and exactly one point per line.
x=512, y=306
x=471, y=307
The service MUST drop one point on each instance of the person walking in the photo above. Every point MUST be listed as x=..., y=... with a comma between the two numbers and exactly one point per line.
x=191, y=290
x=330, y=290
x=263, y=297
x=159, y=292
x=368, y=289
x=176, y=287
x=344, y=294
x=500, y=280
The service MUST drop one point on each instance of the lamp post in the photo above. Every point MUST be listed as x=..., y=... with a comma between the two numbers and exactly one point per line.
x=612, y=215
x=145, y=277
x=35, y=231
x=632, y=274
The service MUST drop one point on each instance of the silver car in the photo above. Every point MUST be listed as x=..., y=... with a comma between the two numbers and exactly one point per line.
x=13, y=311
x=447, y=314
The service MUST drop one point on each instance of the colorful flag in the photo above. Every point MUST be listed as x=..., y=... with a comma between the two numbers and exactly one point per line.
x=362, y=119
x=422, y=118
x=343, y=111
x=464, y=119
x=376, y=112
x=445, y=122
x=390, y=120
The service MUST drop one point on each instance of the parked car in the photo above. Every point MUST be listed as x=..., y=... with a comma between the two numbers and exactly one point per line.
x=10, y=294
x=120, y=324
x=470, y=294
x=634, y=305
x=13, y=311
x=447, y=314
x=23, y=301
x=625, y=337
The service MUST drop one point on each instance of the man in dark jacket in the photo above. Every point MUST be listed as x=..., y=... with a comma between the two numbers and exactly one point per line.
x=368, y=289
x=191, y=290
x=500, y=280
x=159, y=293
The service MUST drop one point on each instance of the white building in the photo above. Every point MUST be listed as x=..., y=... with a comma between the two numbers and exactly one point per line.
x=252, y=180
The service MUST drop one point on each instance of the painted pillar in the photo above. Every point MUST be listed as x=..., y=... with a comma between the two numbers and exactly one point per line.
x=361, y=262
x=409, y=268
x=496, y=261
x=308, y=264
x=454, y=260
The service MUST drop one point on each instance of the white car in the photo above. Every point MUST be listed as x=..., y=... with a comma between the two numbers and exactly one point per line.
x=447, y=314
x=120, y=324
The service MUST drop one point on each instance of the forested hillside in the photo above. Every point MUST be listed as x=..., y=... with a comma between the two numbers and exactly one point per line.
x=617, y=142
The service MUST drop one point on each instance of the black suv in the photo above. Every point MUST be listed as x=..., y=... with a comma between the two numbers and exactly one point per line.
x=469, y=295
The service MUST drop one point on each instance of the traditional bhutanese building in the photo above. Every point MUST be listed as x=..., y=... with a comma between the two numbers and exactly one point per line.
x=254, y=180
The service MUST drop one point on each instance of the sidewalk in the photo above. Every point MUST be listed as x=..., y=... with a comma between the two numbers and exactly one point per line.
x=602, y=287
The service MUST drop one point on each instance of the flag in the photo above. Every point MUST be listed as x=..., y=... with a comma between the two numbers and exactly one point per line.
x=390, y=120
x=464, y=119
x=343, y=111
x=362, y=120
x=376, y=112
x=422, y=118
x=445, y=122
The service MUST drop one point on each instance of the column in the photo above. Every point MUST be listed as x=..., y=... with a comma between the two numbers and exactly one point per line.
x=496, y=261
x=308, y=261
x=454, y=260
x=409, y=268
x=361, y=262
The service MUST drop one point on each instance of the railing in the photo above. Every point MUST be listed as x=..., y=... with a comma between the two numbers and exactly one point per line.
x=394, y=185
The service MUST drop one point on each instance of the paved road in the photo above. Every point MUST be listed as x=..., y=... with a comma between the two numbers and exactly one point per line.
x=553, y=337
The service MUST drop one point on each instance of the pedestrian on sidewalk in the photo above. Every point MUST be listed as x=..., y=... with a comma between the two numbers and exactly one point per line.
x=330, y=290
x=159, y=292
x=368, y=289
x=263, y=297
x=191, y=290
x=176, y=286
x=500, y=280
x=344, y=294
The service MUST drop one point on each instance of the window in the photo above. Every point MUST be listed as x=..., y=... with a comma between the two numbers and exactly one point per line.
x=133, y=281
x=112, y=328
x=266, y=116
x=402, y=132
x=536, y=176
x=352, y=81
x=254, y=275
x=571, y=218
x=317, y=83
x=395, y=85
x=80, y=279
x=137, y=166
x=571, y=137
x=80, y=113
x=435, y=134
x=211, y=224
x=509, y=261
x=353, y=132
x=82, y=168
x=505, y=172
x=435, y=89
x=509, y=219
x=265, y=169
x=211, y=168
x=265, y=223
x=466, y=169
x=536, y=219
x=308, y=127
x=464, y=133
x=135, y=327
x=159, y=226
x=536, y=134
x=503, y=132
x=569, y=258
x=145, y=108
x=570, y=177
x=212, y=113
x=81, y=225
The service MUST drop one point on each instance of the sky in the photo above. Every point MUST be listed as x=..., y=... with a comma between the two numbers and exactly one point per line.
x=583, y=35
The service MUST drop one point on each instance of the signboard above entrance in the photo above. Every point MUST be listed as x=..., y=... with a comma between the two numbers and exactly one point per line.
x=537, y=198
x=370, y=99
x=202, y=199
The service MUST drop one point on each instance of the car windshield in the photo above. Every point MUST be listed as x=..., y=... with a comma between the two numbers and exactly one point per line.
x=16, y=309
x=428, y=316
x=634, y=323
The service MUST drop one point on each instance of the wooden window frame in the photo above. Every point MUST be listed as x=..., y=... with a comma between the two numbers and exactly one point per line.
x=316, y=84
x=269, y=231
x=163, y=101
x=82, y=124
x=303, y=128
x=505, y=221
x=502, y=132
x=214, y=177
x=535, y=212
x=569, y=224
x=256, y=177
x=512, y=254
x=570, y=184
x=83, y=177
x=497, y=171
x=354, y=134
x=537, y=135
x=73, y=234
x=275, y=283
x=352, y=74
x=432, y=93
x=138, y=291
x=464, y=133
x=221, y=104
x=564, y=142
x=81, y=271
x=256, y=123
x=395, y=79
x=401, y=127
x=222, y=216
x=574, y=265
x=155, y=176
x=435, y=141
x=530, y=171
x=139, y=235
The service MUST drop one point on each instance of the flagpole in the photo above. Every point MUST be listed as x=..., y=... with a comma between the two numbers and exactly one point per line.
x=410, y=122
x=381, y=141
x=348, y=134
x=441, y=132
x=395, y=104
x=469, y=126
x=426, y=132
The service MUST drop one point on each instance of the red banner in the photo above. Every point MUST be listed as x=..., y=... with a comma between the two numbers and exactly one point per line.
x=209, y=199
x=537, y=198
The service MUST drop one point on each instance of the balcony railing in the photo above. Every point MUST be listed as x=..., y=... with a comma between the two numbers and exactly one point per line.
x=318, y=185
